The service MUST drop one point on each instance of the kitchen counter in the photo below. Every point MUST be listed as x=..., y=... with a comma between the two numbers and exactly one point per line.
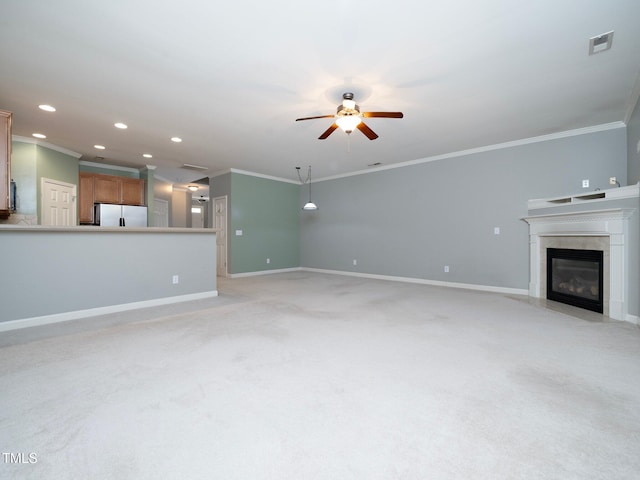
x=92, y=228
x=64, y=273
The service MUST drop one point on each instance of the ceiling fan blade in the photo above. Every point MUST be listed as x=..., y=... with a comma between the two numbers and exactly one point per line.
x=328, y=131
x=367, y=131
x=383, y=114
x=313, y=118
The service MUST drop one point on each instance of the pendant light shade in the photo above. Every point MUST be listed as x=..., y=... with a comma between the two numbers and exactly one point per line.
x=309, y=206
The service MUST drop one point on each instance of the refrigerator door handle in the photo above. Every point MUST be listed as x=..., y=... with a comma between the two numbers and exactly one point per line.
x=121, y=221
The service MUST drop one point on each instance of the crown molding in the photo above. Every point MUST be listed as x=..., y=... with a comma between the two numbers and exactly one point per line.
x=50, y=146
x=252, y=174
x=488, y=148
x=108, y=167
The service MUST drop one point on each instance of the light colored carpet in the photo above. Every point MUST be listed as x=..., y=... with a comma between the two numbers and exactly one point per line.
x=309, y=376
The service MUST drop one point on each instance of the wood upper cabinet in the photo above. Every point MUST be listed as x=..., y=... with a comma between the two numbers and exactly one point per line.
x=132, y=191
x=106, y=189
x=100, y=188
x=5, y=163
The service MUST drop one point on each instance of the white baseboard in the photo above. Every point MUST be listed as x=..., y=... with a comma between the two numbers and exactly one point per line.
x=263, y=272
x=94, y=312
x=633, y=319
x=468, y=286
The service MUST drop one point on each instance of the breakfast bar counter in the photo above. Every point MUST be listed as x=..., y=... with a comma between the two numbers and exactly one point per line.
x=53, y=274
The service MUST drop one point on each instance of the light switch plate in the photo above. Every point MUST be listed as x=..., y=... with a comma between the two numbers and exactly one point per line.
x=238, y=233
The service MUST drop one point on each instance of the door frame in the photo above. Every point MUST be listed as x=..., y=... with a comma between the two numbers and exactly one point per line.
x=214, y=205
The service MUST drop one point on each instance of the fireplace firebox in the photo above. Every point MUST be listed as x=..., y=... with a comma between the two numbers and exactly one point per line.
x=575, y=277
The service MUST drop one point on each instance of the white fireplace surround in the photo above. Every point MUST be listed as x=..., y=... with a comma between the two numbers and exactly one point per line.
x=606, y=230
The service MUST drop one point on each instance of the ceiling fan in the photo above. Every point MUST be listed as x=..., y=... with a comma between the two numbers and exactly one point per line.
x=349, y=116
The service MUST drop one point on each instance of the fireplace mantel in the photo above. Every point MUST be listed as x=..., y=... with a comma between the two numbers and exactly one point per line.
x=612, y=224
x=597, y=196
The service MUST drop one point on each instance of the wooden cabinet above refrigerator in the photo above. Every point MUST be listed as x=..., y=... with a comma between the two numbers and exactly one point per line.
x=101, y=188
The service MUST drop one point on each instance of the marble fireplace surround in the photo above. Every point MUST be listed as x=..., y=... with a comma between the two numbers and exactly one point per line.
x=605, y=230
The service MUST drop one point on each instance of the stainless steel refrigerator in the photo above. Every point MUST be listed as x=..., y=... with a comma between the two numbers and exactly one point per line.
x=108, y=215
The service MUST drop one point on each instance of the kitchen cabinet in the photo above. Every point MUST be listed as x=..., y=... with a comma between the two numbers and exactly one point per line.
x=132, y=191
x=101, y=188
x=106, y=189
x=85, y=198
x=5, y=163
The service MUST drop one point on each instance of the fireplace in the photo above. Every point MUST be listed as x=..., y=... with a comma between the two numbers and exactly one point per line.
x=575, y=277
x=606, y=230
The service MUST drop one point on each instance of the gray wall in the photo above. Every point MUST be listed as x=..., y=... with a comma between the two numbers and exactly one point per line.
x=30, y=163
x=633, y=146
x=58, y=272
x=414, y=220
x=24, y=172
x=268, y=214
x=180, y=209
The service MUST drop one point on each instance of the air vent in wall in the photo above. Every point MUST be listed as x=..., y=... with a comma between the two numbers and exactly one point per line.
x=600, y=43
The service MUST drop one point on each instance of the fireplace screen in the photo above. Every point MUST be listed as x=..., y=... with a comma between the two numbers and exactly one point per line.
x=575, y=277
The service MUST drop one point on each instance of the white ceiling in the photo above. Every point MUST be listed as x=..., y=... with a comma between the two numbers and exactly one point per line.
x=230, y=78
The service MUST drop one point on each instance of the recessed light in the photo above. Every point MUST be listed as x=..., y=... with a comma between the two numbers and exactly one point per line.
x=120, y=125
x=47, y=108
x=99, y=147
x=176, y=139
x=39, y=135
x=147, y=155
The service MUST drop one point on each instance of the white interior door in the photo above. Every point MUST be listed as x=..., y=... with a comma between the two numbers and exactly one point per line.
x=160, y=213
x=58, y=203
x=197, y=217
x=220, y=224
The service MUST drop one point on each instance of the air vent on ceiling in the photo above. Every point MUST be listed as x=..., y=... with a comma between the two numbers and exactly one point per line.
x=190, y=166
x=600, y=43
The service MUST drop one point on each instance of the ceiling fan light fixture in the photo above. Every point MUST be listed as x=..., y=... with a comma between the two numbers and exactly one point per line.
x=348, y=122
x=349, y=104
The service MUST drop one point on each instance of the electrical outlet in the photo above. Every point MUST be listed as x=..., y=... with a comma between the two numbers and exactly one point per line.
x=238, y=233
x=355, y=262
x=585, y=183
x=446, y=269
x=175, y=279
x=268, y=260
x=496, y=230
x=613, y=181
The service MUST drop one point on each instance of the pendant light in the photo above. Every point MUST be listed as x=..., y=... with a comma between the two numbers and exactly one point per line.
x=309, y=206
